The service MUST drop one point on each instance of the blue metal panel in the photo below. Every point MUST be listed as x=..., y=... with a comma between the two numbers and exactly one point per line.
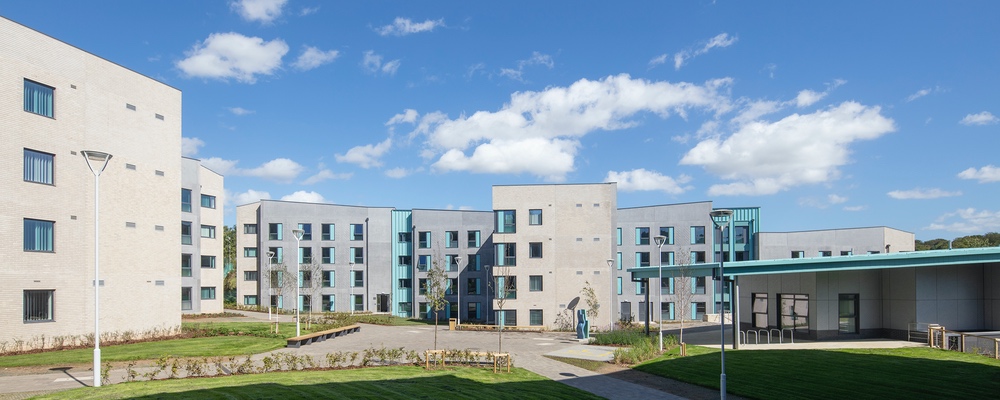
x=402, y=222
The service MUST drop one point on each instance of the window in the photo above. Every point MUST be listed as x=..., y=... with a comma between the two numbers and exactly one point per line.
x=185, y=265
x=451, y=239
x=305, y=279
x=250, y=229
x=640, y=288
x=277, y=279
x=423, y=262
x=798, y=254
x=848, y=313
x=507, y=317
x=422, y=287
x=250, y=300
x=505, y=221
x=793, y=311
x=667, y=286
x=277, y=301
x=38, y=98
x=329, y=254
x=667, y=232
x=452, y=262
x=506, y=287
x=279, y=256
x=473, y=239
x=825, y=253
x=535, y=250
x=307, y=231
x=618, y=260
x=697, y=235
x=534, y=217
x=208, y=293
x=641, y=259
x=405, y=260
x=185, y=232
x=329, y=279
x=740, y=234
x=451, y=286
x=667, y=258
x=328, y=231
x=207, y=201
x=404, y=237
x=274, y=231
x=359, y=302
x=358, y=255
x=305, y=255
x=185, y=298
x=472, y=285
x=186, y=200
x=699, y=311
x=698, y=257
x=473, y=311
x=357, y=232
x=208, y=231
x=506, y=254
x=405, y=283
x=846, y=252
x=473, y=264
x=249, y=252
x=328, y=303
x=208, y=261
x=699, y=285
x=535, y=317
x=425, y=240
x=759, y=309
x=535, y=283
x=39, y=235
x=38, y=167
x=250, y=276
x=642, y=235
x=39, y=305
x=667, y=310
x=358, y=279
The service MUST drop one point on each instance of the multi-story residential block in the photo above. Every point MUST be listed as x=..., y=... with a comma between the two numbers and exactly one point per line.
x=343, y=256
x=201, y=238
x=833, y=242
x=57, y=101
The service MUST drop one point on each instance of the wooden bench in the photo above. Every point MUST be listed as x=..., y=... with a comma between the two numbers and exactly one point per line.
x=295, y=342
x=439, y=356
x=506, y=328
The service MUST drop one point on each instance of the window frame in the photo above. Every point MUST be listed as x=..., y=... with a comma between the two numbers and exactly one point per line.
x=357, y=232
x=535, y=283
x=535, y=216
x=186, y=200
x=534, y=249
x=31, y=104
x=328, y=231
x=250, y=229
x=307, y=231
x=49, y=306
x=211, y=201
x=424, y=240
x=49, y=233
x=210, y=259
x=210, y=291
x=210, y=229
x=31, y=169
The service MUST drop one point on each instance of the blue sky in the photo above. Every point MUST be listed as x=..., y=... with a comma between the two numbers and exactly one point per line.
x=824, y=114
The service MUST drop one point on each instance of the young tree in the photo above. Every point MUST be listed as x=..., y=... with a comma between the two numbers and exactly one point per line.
x=683, y=289
x=437, y=281
x=504, y=287
x=312, y=278
x=593, y=305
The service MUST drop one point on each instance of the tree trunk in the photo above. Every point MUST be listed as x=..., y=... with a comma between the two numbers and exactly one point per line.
x=435, y=331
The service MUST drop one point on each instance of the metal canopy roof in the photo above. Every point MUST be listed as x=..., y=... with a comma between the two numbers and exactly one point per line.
x=931, y=258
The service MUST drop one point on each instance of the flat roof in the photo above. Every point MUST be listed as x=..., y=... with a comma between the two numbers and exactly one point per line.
x=912, y=259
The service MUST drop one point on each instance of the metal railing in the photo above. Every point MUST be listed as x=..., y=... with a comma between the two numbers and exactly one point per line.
x=940, y=338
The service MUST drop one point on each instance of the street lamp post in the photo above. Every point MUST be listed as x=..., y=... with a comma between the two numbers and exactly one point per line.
x=725, y=216
x=95, y=159
x=351, y=278
x=298, y=277
x=659, y=240
x=270, y=255
x=458, y=286
x=614, y=300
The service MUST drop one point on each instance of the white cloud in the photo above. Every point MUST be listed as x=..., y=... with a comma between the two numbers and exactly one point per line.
x=835, y=199
x=366, y=156
x=372, y=63
x=240, y=111
x=720, y=40
x=921, y=194
x=303, y=196
x=765, y=157
x=265, y=11
x=553, y=119
x=855, y=208
x=660, y=59
x=807, y=98
x=232, y=55
x=279, y=170
x=398, y=173
x=983, y=118
x=920, y=93
x=404, y=26
x=326, y=174
x=536, y=59
x=985, y=174
x=250, y=196
x=312, y=57
x=308, y=10
x=190, y=146
x=409, y=115
x=968, y=220
x=643, y=180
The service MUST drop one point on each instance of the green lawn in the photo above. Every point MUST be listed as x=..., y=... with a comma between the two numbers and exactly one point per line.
x=909, y=373
x=369, y=383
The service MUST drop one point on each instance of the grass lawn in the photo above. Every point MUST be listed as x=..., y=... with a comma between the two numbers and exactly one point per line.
x=908, y=373
x=372, y=383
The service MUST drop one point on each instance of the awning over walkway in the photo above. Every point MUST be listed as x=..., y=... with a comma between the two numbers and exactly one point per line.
x=932, y=258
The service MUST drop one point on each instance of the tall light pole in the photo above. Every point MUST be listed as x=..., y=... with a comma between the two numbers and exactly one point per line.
x=270, y=255
x=659, y=240
x=458, y=286
x=614, y=299
x=95, y=159
x=298, y=277
x=351, y=278
x=725, y=216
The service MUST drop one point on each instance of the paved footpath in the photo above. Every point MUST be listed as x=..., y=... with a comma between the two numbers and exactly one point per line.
x=527, y=349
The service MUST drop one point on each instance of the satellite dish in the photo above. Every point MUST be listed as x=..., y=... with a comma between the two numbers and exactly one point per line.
x=573, y=303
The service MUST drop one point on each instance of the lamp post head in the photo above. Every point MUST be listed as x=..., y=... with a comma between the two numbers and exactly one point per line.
x=611, y=263
x=659, y=240
x=96, y=158
x=298, y=233
x=458, y=260
x=723, y=214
